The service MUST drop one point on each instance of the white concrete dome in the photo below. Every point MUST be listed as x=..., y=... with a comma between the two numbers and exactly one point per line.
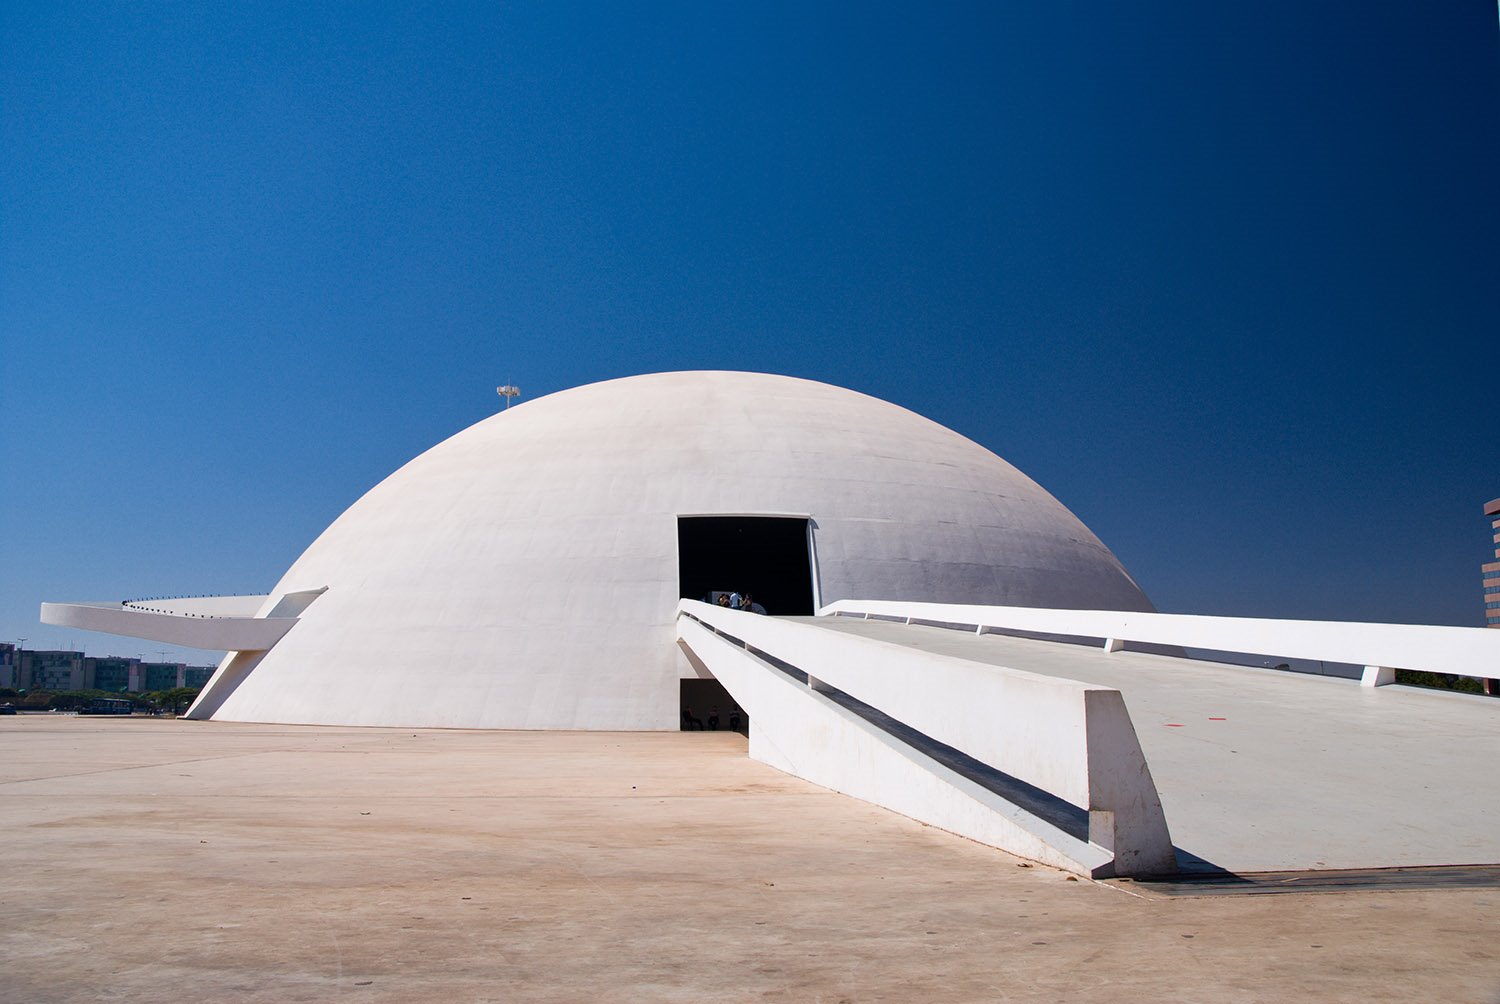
x=524, y=573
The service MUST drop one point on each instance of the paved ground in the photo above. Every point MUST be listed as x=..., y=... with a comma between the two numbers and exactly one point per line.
x=152, y=860
x=1263, y=770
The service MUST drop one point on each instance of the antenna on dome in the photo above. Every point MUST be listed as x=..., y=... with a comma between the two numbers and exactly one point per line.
x=508, y=391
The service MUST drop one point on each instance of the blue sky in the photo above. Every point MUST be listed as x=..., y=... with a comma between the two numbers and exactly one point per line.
x=1224, y=278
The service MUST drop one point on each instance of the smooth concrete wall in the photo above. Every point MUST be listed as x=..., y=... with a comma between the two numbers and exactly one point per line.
x=797, y=730
x=523, y=574
x=1032, y=727
x=1073, y=740
x=230, y=674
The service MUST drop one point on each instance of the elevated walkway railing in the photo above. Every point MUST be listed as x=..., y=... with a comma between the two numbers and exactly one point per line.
x=215, y=623
x=818, y=698
x=240, y=605
x=1380, y=648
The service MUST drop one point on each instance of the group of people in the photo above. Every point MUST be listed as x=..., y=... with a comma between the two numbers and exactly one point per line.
x=691, y=722
x=735, y=601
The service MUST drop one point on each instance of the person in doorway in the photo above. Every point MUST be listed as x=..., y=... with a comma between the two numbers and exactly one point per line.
x=734, y=601
x=689, y=723
x=734, y=719
x=713, y=719
x=746, y=603
x=723, y=600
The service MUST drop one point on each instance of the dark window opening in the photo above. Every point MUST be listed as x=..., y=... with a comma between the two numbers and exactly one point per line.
x=707, y=706
x=765, y=556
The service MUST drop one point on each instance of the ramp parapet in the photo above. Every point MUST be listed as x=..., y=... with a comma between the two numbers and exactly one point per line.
x=1046, y=768
x=1380, y=648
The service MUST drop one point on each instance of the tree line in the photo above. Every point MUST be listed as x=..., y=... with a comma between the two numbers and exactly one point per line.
x=172, y=701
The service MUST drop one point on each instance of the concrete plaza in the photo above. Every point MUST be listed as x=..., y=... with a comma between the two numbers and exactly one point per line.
x=153, y=860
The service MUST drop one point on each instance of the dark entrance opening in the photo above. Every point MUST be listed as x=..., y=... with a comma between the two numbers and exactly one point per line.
x=706, y=705
x=765, y=556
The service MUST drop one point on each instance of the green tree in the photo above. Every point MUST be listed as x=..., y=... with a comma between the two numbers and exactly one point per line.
x=35, y=699
x=175, y=700
x=1439, y=681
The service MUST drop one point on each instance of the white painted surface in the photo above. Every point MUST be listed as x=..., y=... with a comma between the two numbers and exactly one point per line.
x=1458, y=650
x=1264, y=770
x=803, y=733
x=523, y=574
x=216, y=632
x=1070, y=739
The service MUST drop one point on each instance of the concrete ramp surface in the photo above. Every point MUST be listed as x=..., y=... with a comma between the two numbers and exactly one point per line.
x=1260, y=770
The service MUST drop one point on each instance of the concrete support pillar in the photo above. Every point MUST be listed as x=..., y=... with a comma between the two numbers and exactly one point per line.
x=1113, y=644
x=1377, y=676
x=1102, y=829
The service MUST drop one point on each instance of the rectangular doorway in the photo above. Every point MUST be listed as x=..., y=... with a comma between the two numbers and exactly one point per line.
x=768, y=557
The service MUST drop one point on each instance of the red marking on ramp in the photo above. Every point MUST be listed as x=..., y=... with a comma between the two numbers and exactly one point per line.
x=1218, y=719
x=1174, y=725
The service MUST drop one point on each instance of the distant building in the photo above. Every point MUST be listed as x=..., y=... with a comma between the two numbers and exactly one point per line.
x=1491, y=569
x=1491, y=573
x=52, y=670
x=65, y=670
x=161, y=675
x=113, y=673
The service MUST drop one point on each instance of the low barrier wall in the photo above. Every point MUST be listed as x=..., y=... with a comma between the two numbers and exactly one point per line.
x=1071, y=740
x=1382, y=648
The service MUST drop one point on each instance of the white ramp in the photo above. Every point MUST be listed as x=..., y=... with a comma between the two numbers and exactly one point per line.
x=1045, y=768
x=1260, y=770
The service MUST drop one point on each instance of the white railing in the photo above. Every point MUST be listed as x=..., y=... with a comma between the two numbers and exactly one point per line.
x=1380, y=648
x=207, y=607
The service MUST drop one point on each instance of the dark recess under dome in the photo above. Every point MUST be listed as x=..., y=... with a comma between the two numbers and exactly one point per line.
x=766, y=556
